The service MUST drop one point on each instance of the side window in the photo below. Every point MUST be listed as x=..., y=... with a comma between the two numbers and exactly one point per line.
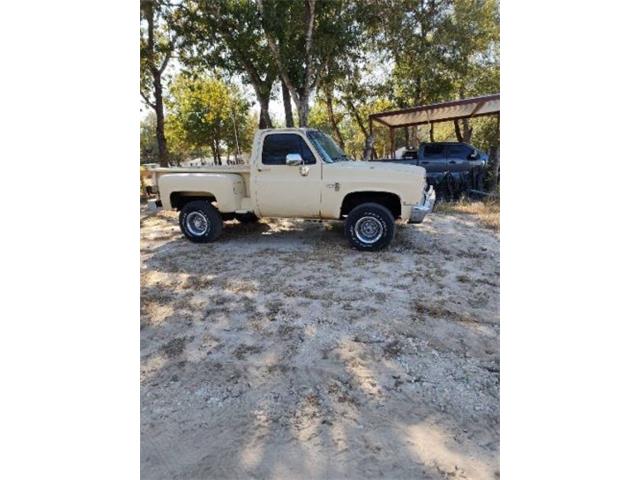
x=460, y=152
x=277, y=146
x=433, y=152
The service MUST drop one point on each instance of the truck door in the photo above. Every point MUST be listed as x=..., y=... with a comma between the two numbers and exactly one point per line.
x=431, y=156
x=283, y=190
x=458, y=158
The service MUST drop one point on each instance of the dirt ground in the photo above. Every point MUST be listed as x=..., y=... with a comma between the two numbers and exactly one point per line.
x=279, y=352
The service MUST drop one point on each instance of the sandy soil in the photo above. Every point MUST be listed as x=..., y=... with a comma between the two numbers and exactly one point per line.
x=279, y=352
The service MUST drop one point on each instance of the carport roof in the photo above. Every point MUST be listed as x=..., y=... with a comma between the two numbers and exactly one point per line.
x=439, y=112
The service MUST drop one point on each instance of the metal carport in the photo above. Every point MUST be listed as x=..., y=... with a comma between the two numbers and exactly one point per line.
x=436, y=112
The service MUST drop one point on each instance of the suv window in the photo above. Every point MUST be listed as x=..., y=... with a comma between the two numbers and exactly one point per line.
x=277, y=146
x=458, y=151
x=431, y=151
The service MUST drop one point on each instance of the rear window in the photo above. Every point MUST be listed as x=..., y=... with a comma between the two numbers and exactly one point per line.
x=277, y=146
x=433, y=151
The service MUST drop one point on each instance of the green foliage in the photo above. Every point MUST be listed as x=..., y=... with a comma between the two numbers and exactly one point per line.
x=310, y=40
x=351, y=130
x=148, y=143
x=356, y=57
x=486, y=132
x=156, y=46
x=204, y=111
x=442, y=50
x=226, y=37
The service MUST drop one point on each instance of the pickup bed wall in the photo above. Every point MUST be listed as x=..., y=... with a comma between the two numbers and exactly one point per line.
x=227, y=189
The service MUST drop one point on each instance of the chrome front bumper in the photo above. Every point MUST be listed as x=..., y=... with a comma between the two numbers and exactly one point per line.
x=418, y=212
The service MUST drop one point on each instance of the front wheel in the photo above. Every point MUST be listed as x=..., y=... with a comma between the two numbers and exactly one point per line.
x=200, y=221
x=370, y=226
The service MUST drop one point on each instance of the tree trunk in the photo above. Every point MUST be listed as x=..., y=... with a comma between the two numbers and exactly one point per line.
x=163, y=155
x=332, y=117
x=467, y=131
x=286, y=100
x=369, y=152
x=457, y=128
x=413, y=136
x=303, y=110
x=156, y=73
x=265, y=120
x=369, y=148
x=431, y=132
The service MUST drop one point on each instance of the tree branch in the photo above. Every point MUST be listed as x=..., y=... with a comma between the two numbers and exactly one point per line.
x=273, y=46
x=147, y=101
x=354, y=111
x=167, y=57
x=309, y=13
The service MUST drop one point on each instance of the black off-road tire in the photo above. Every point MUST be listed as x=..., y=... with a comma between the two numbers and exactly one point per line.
x=378, y=217
x=204, y=215
x=248, y=217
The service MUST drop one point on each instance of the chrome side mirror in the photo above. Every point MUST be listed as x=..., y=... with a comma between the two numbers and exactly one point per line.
x=293, y=159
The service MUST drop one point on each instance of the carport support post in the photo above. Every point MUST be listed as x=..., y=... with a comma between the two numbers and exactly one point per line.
x=392, y=137
x=367, y=153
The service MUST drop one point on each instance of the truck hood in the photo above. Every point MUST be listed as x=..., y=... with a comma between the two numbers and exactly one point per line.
x=406, y=181
x=408, y=171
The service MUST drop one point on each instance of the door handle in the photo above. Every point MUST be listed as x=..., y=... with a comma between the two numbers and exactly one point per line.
x=452, y=162
x=262, y=169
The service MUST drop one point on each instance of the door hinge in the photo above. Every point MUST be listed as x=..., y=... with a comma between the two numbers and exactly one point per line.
x=335, y=186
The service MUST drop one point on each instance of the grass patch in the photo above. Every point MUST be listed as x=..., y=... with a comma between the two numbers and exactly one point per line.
x=487, y=213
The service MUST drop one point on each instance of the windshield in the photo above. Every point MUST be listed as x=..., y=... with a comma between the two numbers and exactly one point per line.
x=326, y=147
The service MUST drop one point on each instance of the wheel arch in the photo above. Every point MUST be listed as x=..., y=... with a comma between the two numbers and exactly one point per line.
x=180, y=199
x=388, y=199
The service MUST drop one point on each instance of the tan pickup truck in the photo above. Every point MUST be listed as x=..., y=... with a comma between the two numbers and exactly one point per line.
x=297, y=173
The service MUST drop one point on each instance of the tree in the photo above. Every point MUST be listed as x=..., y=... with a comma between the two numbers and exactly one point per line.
x=148, y=142
x=156, y=48
x=471, y=34
x=304, y=37
x=441, y=49
x=352, y=125
x=227, y=35
x=205, y=111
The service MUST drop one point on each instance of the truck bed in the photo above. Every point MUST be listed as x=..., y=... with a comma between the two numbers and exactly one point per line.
x=401, y=161
x=208, y=169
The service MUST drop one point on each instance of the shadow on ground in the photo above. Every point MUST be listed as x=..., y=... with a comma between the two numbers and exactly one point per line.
x=280, y=352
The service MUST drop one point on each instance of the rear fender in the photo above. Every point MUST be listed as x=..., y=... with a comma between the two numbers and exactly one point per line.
x=228, y=189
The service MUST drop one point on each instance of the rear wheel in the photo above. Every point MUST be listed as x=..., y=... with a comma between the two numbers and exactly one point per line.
x=370, y=226
x=200, y=221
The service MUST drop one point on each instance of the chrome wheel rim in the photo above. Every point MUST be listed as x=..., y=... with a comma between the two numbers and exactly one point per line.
x=196, y=224
x=369, y=229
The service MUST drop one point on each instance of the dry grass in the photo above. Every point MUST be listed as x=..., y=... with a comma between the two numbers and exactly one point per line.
x=487, y=212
